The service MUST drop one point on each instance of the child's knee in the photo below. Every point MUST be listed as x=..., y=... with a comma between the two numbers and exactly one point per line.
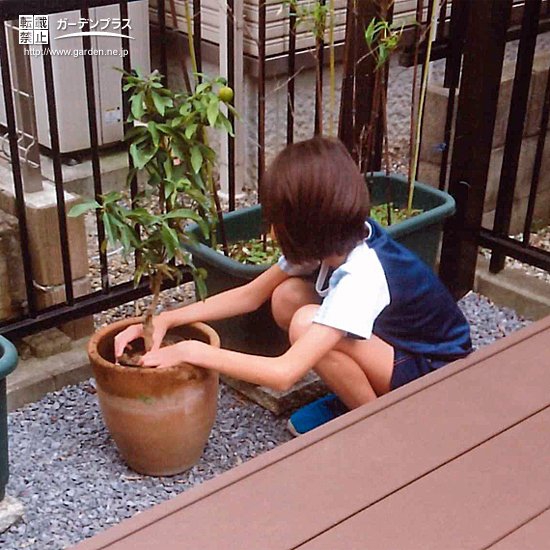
x=288, y=297
x=301, y=321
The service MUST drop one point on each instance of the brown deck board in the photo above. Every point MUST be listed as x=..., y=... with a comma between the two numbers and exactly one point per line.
x=310, y=485
x=471, y=501
x=533, y=535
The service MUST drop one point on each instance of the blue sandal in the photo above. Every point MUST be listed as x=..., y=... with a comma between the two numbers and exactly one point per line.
x=316, y=414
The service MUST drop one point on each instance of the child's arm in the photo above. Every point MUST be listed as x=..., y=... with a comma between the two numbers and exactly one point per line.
x=235, y=301
x=279, y=373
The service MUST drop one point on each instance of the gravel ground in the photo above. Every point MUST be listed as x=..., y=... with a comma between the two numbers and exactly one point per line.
x=67, y=472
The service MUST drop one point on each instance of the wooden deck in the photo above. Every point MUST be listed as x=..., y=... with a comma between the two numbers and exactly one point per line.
x=459, y=459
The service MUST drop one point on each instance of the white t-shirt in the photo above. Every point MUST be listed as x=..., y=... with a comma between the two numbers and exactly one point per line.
x=357, y=290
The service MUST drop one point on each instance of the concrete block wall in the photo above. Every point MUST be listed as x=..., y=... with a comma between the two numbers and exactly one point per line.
x=433, y=137
x=12, y=284
x=45, y=250
x=43, y=229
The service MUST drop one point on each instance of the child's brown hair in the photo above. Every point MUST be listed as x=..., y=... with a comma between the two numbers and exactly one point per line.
x=316, y=200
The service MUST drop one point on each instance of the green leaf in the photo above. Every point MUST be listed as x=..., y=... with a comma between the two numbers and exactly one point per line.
x=111, y=197
x=198, y=182
x=182, y=213
x=199, y=197
x=165, y=129
x=196, y=159
x=190, y=131
x=226, y=124
x=141, y=157
x=202, y=290
x=79, y=209
x=137, y=108
x=212, y=111
x=152, y=127
x=136, y=132
x=169, y=189
x=187, y=213
x=161, y=102
x=132, y=172
x=201, y=88
x=382, y=57
x=126, y=238
x=170, y=240
x=109, y=230
x=168, y=166
x=204, y=227
x=140, y=215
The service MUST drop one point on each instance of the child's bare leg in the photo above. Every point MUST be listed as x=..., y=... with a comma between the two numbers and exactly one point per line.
x=356, y=370
x=289, y=297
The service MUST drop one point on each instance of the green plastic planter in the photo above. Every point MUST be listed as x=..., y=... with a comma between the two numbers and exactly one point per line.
x=257, y=332
x=8, y=362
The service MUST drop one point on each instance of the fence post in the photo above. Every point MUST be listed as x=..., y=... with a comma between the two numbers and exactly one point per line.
x=358, y=81
x=485, y=40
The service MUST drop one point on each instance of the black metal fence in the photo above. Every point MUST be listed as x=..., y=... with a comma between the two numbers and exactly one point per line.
x=72, y=307
x=478, y=35
x=501, y=20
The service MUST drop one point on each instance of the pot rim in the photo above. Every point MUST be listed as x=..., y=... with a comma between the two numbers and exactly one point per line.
x=8, y=357
x=95, y=357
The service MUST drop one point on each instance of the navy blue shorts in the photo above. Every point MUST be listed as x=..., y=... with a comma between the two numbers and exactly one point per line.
x=408, y=367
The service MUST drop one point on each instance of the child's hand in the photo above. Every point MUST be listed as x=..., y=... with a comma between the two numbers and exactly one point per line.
x=189, y=351
x=122, y=339
x=133, y=332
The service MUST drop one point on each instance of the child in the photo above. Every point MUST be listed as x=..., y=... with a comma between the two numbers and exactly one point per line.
x=375, y=317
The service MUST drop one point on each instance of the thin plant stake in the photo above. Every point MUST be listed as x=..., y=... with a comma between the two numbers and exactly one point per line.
x=418, y=37
x=182, y=57
x=189, y=25
x=332, y=98
x=424, y=86
x=209, y=176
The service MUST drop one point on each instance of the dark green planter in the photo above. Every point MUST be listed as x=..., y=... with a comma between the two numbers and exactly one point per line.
x=256, y=332
x=8, y=362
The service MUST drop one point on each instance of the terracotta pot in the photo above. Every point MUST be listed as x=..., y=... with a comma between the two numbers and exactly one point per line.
x=160, y=419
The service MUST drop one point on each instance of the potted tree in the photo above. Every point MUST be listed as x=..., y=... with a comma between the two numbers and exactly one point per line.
x=160, y=419
x=8, y=362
